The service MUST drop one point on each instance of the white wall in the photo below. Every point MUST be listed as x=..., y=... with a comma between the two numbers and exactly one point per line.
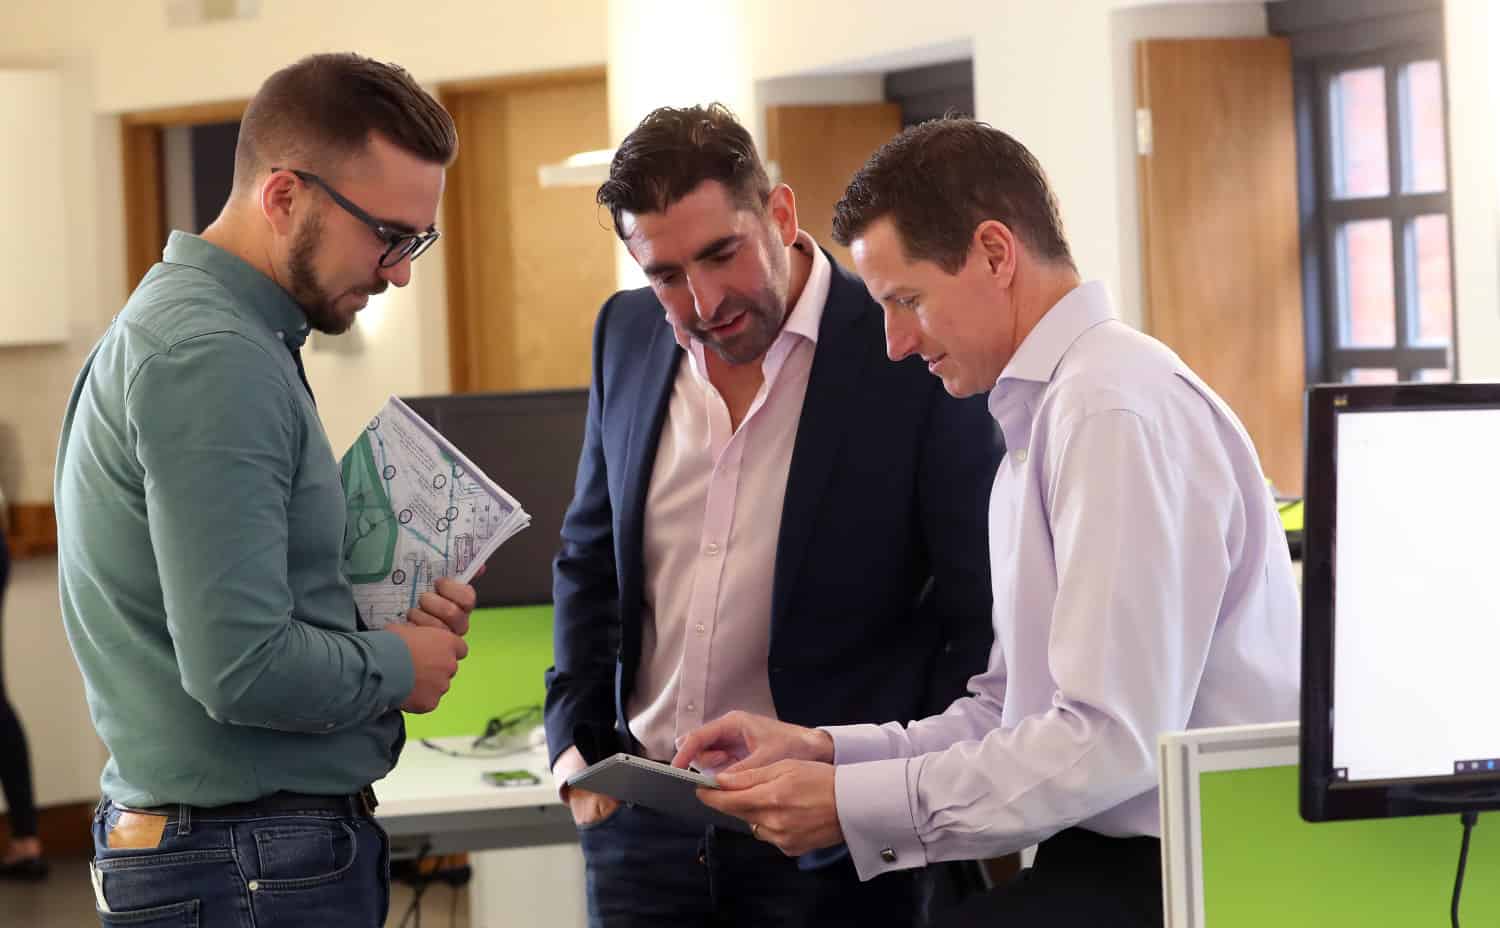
x=1473, y=32
x=675, y=53
x=66, y=755
x=32, y=249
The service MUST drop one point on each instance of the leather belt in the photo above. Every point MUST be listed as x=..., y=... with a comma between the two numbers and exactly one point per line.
x=358, y=804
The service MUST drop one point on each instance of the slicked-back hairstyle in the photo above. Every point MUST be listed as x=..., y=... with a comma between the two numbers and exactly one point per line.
x=939, y=180
x=322, y=109
x=674, y=150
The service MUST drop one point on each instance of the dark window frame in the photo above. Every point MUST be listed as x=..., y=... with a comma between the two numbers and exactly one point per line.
x=1419, y=38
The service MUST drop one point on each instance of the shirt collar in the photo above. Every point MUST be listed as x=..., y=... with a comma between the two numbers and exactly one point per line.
x=807, y=315
x=804, y=319
x=1041, y=351
x=1082, y=308
x=264, y=297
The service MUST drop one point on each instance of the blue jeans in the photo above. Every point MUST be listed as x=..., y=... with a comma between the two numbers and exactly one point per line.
x=645, y=869
x=313, y=868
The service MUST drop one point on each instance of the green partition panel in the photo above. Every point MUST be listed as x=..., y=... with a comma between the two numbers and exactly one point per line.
x=1263, y=865
x=509, y=650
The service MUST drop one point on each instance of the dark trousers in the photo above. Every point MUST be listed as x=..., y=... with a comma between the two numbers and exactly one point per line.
x=645, y=869
x=1079, y=878
x=15, y=760
x=312, y=869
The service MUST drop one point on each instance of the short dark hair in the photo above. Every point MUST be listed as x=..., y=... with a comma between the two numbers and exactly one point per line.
x=674, y=150
x=939, y=180
x=324, y=107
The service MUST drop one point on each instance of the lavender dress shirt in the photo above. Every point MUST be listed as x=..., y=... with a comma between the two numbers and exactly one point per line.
x=1142, y=584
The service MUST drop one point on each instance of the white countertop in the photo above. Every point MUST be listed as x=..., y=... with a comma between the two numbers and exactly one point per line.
x=428, y=782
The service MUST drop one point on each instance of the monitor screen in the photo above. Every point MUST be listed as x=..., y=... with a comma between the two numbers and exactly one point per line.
x=1401, y=600
x=529, y=444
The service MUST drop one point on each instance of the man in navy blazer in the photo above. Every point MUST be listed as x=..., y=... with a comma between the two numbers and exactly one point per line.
x=767, y=515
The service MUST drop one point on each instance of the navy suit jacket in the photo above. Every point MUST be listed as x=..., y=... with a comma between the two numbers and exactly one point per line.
x=881, y=598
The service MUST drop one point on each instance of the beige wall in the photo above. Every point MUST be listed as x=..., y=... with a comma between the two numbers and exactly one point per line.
x=141, y=63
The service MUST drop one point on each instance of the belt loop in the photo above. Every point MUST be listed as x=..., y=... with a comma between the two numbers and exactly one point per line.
x=184, y=820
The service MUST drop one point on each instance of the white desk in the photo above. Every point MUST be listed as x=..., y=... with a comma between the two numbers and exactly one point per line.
x=528, y=869
x=440, y=802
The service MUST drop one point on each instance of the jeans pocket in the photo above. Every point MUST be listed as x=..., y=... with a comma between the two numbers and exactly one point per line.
x=160, y=889
x=355, y=892
x=176, y=915
x=304, y=854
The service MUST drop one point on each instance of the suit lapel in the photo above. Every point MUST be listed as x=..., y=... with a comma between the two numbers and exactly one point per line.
x=831, y=390
x=649, y=410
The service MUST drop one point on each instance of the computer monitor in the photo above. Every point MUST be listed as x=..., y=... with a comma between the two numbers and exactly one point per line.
x=529, y=444
x=1401, y=601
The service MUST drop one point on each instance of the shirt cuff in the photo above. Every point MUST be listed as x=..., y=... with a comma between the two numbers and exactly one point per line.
x=397, y=672
x=569, y=762
x=875, y=813
x=856, y=744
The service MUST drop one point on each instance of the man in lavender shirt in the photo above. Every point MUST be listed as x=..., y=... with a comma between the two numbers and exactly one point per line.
x=768, y=517
x=1141, y=580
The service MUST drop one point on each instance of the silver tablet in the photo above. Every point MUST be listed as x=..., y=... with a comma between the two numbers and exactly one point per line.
x=662, y=787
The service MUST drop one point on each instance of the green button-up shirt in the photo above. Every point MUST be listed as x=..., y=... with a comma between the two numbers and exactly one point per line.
x=200, y=522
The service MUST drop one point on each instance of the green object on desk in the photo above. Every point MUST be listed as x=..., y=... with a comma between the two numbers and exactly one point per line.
x=1263, y=865
x=1291, y=515
x=509, y=650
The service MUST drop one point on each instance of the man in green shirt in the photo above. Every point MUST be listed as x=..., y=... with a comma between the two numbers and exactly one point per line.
x=201, y=524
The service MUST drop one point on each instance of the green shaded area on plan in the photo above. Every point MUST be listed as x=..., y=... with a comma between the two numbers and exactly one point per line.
x=370, y=529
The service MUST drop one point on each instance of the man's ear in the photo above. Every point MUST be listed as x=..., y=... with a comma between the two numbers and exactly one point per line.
x=782, y=208
x=996, y=245
x=280, y=200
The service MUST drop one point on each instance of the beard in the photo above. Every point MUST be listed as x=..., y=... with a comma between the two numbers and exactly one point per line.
x=764, y=314
x=303, y=284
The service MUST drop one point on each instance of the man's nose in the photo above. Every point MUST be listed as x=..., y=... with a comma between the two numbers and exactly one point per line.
x=398, y=274
x=900, y=335
x=707, y=297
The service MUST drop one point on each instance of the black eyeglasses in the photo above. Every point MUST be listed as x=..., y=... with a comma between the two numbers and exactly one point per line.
x=398, y=245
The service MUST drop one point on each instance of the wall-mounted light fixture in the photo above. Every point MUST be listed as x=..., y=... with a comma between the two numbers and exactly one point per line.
x=591, y=168
x=585, y=169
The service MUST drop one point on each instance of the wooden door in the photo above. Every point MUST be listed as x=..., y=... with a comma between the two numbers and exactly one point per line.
x=818, y=149
x=143, y=162
x=1219, y=230
x=528, y=266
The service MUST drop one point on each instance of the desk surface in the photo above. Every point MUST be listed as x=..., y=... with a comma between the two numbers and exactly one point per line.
x=439, y=804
